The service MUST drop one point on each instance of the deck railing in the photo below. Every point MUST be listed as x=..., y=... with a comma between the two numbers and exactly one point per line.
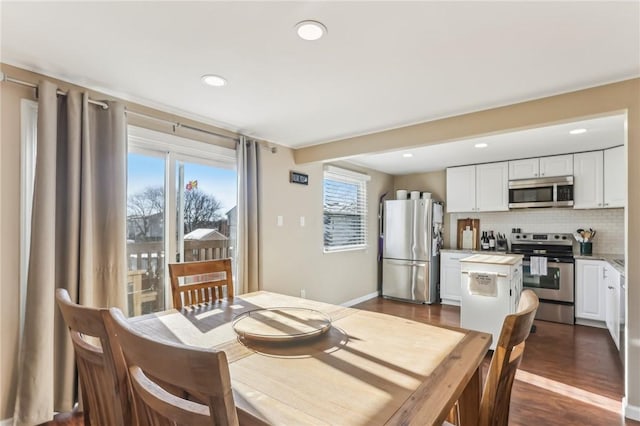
x=146, y=269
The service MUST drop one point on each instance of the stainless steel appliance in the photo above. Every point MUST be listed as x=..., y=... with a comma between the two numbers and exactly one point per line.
x=412, y=237
x=541, y=192
x=555, y=288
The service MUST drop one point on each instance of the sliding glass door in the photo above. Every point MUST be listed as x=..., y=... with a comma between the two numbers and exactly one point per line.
x=182, y=198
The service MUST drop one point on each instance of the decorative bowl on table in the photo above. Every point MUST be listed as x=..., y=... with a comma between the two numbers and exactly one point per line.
x=281, y=325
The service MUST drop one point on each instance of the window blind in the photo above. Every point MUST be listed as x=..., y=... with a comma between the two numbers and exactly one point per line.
x=344, y=209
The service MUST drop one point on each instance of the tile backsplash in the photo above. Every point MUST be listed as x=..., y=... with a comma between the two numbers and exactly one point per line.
x=609, y=224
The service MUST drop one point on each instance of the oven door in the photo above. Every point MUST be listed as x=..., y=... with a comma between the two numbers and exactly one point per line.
x=556, y=285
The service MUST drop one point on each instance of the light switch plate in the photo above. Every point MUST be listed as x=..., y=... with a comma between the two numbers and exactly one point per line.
x=280, y=220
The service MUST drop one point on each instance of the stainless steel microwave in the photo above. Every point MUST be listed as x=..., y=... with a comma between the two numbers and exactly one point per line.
x=541, y=192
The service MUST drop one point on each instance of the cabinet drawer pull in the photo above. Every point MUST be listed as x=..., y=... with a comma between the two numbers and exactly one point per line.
x=609, y=287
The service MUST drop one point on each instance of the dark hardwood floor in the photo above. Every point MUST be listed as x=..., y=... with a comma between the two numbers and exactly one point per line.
x=570, y=375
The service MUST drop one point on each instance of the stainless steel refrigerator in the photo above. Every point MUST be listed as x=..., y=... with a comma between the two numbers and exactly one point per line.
x=412, y=237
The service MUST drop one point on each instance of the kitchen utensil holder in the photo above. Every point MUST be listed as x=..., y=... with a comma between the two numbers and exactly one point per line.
x=586, y=247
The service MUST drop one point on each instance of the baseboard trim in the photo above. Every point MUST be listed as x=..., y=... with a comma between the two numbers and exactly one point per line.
x=591, y=323
x=6, y=422
x=630, y=411
x=360, y=299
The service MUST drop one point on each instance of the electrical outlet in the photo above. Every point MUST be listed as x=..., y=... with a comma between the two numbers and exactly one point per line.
x=279, y=220
x=301, y=221
x=303, y=293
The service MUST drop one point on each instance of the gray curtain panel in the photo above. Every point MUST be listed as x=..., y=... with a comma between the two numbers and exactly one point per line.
x=78, y=230
x=248, y=255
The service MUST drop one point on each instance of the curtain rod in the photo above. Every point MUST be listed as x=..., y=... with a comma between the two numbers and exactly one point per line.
x=4, y=77
x=177, y=125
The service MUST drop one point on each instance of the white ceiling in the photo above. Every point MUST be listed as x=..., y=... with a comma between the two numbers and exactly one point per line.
x=603, y=132
x=382, y=65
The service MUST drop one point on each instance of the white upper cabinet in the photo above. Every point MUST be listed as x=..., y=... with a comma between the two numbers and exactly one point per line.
x=484, y=187
x=524, y=169
x=588, y=180
x=557, y=165
x=600, y=179
x=615, y=179
x=529, y=168
x=461, y=189
x=492, y=187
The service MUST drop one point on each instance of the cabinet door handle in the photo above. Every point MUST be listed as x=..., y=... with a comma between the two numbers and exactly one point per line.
x=609, y=287
x=606, y=204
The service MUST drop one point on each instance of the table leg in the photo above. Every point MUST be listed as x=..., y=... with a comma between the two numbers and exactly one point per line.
x=469, y=402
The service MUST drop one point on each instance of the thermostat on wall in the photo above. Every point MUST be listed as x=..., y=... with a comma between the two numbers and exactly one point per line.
x=301, y=178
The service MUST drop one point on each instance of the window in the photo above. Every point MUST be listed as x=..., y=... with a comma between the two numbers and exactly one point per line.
x=181, y=201
x=344, y=209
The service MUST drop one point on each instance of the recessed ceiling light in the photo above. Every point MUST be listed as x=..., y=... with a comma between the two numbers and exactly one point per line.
x=407, y=155
x=481, y=145
x=578, y=131
x=213, y=80
x=310, y=30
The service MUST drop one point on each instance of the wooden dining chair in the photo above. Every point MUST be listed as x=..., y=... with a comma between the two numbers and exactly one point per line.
x=101, y=369
x=195, y=371
x=202, y=282
x=496, y=395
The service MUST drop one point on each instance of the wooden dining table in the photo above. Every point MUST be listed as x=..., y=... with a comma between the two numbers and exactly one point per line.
x=368, y=368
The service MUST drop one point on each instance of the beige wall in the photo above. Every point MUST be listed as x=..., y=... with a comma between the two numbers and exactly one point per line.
x=602, y=100
x=10, y=242
x=292, y=256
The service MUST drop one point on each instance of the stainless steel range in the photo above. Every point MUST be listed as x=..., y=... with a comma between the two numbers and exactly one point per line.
x=548, y=270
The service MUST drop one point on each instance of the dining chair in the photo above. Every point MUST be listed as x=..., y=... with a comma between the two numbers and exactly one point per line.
x=496, y=395
x=195, y=371
x=101, y=369
x=202, y=282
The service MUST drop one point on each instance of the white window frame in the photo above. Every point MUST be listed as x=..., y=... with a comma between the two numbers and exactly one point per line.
x=174, y=149
x=348, y=176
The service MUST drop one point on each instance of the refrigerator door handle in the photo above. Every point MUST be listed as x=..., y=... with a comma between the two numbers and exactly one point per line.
x=406, y=262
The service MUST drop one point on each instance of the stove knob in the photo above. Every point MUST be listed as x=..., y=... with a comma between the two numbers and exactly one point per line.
x=557, y=237
x=564, y=237
x=517, y=237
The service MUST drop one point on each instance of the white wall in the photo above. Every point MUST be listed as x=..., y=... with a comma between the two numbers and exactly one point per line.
x=609, y=224
x=292, y=255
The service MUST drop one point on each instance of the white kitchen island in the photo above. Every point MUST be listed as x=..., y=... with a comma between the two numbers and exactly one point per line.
x=490, y=290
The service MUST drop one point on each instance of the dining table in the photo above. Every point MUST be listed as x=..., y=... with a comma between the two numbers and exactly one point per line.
x=362, y=368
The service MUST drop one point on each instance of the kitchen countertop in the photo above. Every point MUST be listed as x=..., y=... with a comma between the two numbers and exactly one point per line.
x=496, y=259
x=470, y=252
x=607, y=257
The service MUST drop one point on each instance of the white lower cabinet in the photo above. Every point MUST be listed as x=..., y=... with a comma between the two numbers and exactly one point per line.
x=450, y=277
x=612, y=303
x=598, y=296
x=590, y=295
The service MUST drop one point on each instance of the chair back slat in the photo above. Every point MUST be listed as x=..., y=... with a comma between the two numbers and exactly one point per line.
x=101, y=368
x=496, y=397
x=203, y=282
x=203, y=373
